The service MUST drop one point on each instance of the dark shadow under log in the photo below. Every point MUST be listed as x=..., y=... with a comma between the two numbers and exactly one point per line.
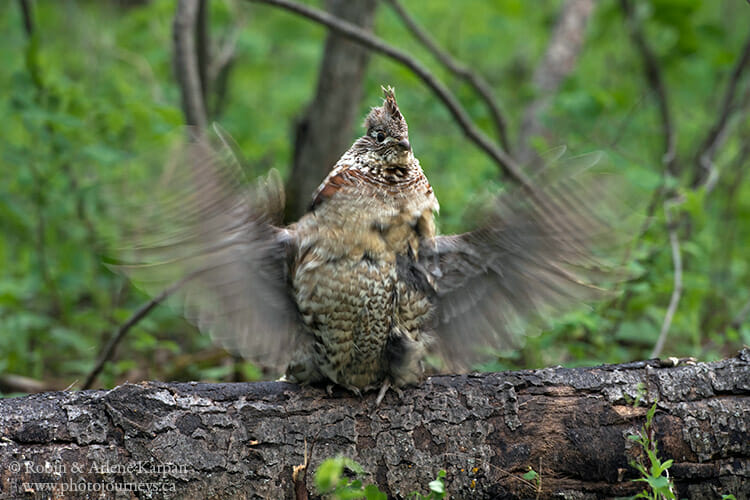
x=195, y=440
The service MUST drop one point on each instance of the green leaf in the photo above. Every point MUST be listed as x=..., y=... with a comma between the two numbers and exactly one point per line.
x=650, y=414
x=328, y=474
x=660, y=485
x=666, y=465
x=349, y=492
x=330, y=477
x=373, y=493
x=353, y=466
x=532, y=474
x=437, y=486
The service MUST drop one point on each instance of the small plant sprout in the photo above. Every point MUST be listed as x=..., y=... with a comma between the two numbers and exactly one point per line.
x=334, y=482
x=437, y=489
x=654, y=472
x=534, y=478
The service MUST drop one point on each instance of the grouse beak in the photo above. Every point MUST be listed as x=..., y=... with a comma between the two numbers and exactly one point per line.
x=404, y=144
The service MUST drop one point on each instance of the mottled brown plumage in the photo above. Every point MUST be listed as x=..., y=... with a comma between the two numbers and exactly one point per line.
x=373, y=210
x=361, y=287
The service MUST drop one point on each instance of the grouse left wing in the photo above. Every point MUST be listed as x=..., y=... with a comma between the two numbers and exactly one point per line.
x=210, y=231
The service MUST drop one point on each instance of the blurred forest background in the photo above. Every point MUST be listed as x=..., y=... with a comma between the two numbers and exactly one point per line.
x=91, y=89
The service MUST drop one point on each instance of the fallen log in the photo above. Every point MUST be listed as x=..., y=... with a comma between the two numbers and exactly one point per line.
x=571, y=426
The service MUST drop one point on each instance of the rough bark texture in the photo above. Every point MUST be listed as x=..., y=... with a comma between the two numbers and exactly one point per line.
x=242, y=440
x=325, y=130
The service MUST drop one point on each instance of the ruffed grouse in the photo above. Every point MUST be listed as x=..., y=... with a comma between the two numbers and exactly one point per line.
x=361, y=287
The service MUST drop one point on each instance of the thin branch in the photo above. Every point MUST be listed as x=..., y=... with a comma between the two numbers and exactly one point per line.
x=138, y=315
x=32, y=57
x=324, y=129
x=655, y=81
x=625, y=123
x=729, y=222
x=476, y=81
x=219, y=69
x=656, y=84
x=677, y=289
x=28, y=18
x=299, y=472
x=507, y=165
x=224, y=56
x=705, y=157
x=202, y=46
x=559, y=61
x=186, y=62
x=564, y=45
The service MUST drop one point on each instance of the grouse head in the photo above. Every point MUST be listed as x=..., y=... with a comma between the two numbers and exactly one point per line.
x=387, y=133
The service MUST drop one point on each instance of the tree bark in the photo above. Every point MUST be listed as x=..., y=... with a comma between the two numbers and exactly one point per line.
x=324, y=132
x=191, y=440
x=189, y=59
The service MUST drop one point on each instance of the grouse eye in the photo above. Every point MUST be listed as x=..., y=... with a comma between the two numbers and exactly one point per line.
x=381, y=137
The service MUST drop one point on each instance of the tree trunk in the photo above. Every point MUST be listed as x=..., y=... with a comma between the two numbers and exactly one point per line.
x=559, y=61
x=189, y=59
x=325, y=130
x=196, y=440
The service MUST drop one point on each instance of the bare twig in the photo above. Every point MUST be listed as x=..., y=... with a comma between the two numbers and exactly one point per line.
x=479, y=84
x=186, y=62
x=729, y=222
x=507, y=165
x=564, y=45
x=224, y=55
x=323, y=130
x=202, y=46
x=138, y=315
x=677, y=289
x=705, y=168
x=655, y=81
x=740, y=159
x=625, y=123
x=219, y=69
x=558, y=62
x=299, y=472
x=28, y=18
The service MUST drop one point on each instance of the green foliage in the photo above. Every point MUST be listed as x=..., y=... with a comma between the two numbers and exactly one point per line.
x=653, y=472
x=437, y=489
x=87, y=101
x=332, y=480
x=534, y=478
x=68, y=131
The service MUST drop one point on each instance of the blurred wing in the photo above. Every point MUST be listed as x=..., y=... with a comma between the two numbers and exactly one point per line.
x=533, y=255
x=208, y=229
